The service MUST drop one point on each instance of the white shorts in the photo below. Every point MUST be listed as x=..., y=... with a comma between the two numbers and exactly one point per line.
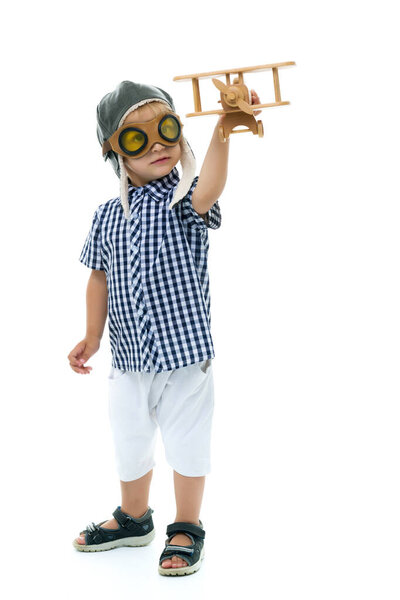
x=180, y=401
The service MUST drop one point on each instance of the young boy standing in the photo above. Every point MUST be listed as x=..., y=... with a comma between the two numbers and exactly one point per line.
x=148, y=253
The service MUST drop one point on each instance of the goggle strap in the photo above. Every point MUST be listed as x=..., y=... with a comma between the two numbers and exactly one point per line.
x=106, y=147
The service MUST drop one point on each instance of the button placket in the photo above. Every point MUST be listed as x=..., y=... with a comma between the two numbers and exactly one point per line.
x=136, y=287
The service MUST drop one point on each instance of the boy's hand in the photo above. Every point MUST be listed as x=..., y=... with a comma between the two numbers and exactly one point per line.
x=254, y=99
x=82, y=352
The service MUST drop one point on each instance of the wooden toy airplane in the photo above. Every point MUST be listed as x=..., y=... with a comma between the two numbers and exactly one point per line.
x=235, y=99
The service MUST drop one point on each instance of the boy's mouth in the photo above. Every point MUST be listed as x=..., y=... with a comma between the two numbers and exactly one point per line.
x=160, y=160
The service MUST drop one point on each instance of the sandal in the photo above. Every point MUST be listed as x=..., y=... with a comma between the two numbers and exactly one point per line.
x=131, y=532
x=193, y=554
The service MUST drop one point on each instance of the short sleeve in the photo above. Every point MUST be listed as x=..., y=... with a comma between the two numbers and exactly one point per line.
x=91, y=251
x=212, y=219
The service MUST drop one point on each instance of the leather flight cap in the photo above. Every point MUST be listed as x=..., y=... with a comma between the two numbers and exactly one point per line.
x=115, y=104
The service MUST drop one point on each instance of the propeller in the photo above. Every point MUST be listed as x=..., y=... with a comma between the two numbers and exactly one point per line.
x=233, y=97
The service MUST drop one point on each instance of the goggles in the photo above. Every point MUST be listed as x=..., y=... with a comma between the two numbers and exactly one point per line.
x=136, y=139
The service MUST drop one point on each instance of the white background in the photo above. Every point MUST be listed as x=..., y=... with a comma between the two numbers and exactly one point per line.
x=303, y=498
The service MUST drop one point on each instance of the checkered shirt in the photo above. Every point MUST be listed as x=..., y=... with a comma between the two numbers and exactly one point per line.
x=157, y=278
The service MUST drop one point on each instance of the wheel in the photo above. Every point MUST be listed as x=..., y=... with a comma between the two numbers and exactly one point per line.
x=221, y=133
x=260, y=129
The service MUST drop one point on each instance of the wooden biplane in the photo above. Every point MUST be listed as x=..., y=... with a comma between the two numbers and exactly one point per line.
x=235, y=99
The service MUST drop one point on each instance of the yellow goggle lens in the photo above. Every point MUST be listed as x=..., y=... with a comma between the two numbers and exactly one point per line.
x=132, y=141
x=170, y=128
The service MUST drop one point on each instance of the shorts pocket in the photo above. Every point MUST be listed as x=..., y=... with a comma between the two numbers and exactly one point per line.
x=115, y=374
x=205, y=365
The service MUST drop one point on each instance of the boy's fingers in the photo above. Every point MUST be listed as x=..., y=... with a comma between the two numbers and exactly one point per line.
x=255, y=100
x=77, y=362
x=76, y=353
x=77, y=358
x=74, y=360
x=80, y=367
x=82, y=370
x=81, y=364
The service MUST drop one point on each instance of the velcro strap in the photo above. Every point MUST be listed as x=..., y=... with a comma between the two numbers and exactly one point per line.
x=185, y=528
x=179, y=549
x=123, y=519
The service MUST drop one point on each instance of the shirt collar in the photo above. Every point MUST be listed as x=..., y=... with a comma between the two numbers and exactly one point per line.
x=157, y=188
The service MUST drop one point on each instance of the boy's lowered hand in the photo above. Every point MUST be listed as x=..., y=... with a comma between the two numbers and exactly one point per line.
x=82, y=352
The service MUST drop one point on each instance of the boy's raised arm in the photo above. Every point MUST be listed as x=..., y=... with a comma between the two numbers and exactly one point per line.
x=214, y=171
x=213, y=174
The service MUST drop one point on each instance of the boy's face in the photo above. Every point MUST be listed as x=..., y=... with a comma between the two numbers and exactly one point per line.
x=145, y=169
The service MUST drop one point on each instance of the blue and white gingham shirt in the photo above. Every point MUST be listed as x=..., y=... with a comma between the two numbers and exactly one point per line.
x=156, y=268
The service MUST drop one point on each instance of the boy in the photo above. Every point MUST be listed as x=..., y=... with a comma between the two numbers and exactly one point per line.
x=148, y=253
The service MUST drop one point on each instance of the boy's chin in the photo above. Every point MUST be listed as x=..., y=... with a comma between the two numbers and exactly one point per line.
x=163, y=168
x=157, y=173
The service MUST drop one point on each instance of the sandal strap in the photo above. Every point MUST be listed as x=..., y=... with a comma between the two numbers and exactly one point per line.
x=171, y=549
x=127, y=521
x=95, y=535
x=183, y=527
x=188, y=554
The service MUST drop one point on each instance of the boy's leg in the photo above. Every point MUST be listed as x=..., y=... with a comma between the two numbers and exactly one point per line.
x=188, y=496
x=132, y=396
x=185, y=416
x=135, y=498
x=135, y=495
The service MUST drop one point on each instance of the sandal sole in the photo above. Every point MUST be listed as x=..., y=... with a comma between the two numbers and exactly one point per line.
x=182, y=570
x=142, y=540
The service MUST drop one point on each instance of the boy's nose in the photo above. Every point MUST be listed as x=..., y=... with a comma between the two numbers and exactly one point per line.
x=157, y=146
